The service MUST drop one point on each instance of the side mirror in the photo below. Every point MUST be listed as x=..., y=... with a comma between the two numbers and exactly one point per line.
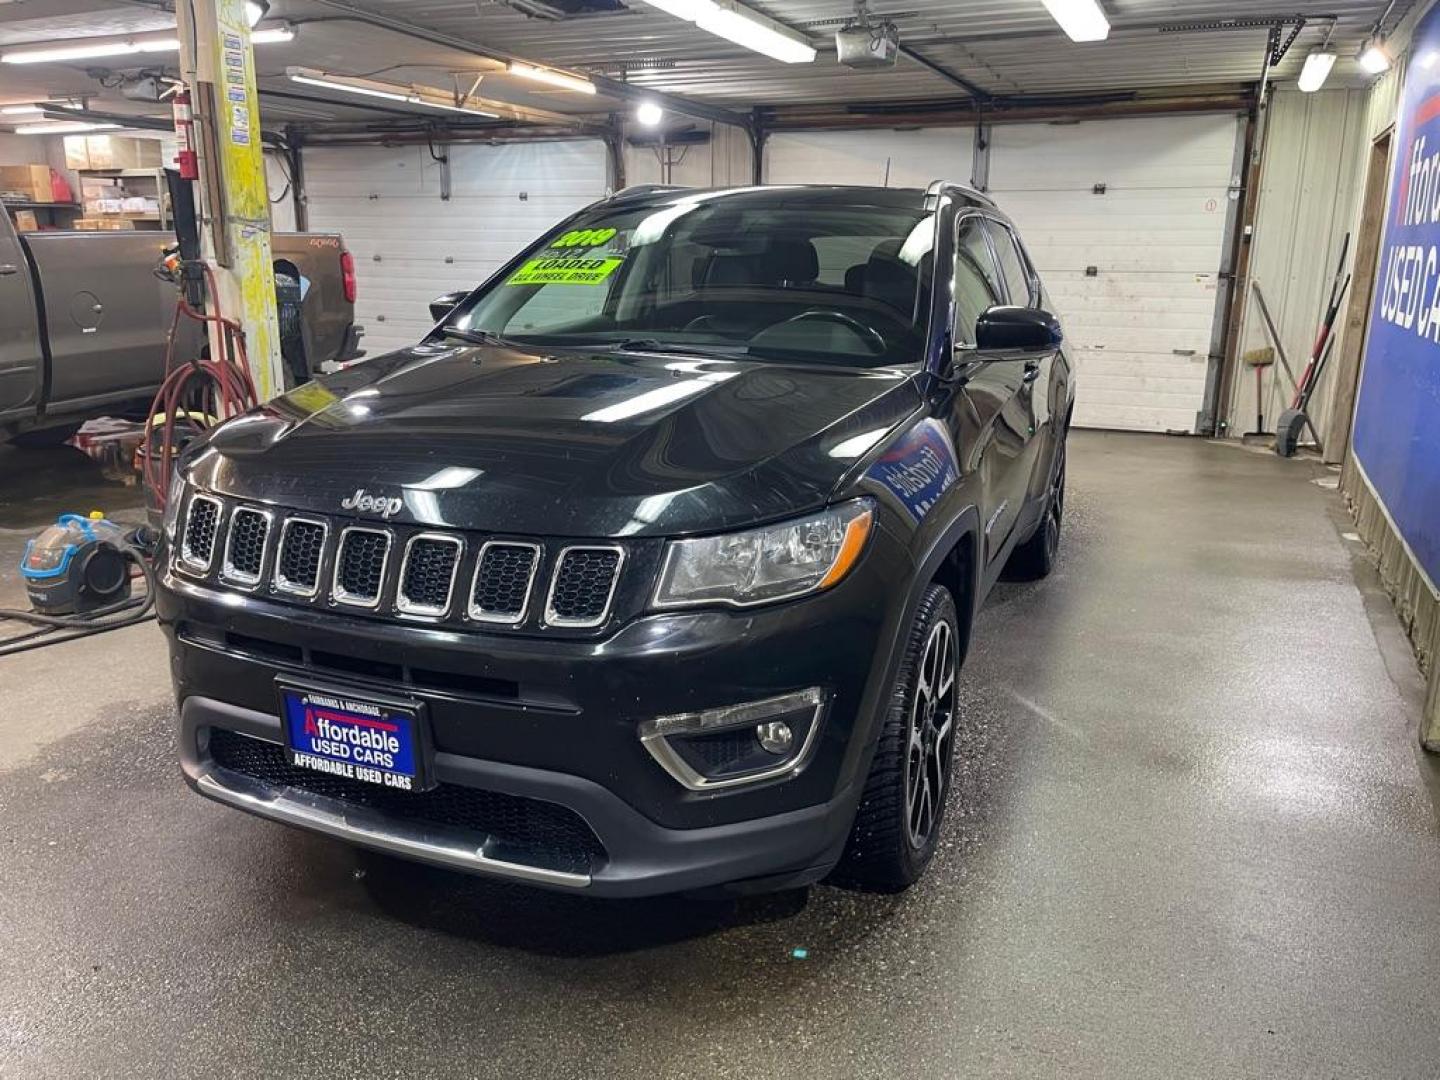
x=441, y=306
x=1017, y=329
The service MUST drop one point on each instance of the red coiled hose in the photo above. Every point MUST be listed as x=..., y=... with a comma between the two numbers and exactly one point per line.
x=196, y=393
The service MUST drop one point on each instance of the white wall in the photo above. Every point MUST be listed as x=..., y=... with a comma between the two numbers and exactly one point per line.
x=1311, y=179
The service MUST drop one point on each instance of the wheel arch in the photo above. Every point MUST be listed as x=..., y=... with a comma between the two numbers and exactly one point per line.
x=953, y=560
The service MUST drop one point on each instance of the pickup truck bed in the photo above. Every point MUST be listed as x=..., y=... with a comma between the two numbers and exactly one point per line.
x=83, y=320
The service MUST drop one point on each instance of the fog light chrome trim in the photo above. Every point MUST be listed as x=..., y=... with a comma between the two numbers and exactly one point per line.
x=655, y=734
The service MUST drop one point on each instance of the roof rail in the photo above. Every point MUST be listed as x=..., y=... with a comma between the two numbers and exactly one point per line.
x=647, y=189
x=940, y=188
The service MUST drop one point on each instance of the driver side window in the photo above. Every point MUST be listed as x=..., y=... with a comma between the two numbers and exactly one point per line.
x=977, y=281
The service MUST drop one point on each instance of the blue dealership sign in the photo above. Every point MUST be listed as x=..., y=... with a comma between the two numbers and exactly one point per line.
x=1397, y=417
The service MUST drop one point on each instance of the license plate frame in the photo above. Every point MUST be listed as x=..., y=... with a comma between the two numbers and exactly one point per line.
x=384, y=725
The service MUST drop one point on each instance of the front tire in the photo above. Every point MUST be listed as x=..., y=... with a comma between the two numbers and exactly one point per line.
x=897, y=826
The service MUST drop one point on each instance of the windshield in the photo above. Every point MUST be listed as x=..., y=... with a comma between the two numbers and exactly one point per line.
x=826, y=284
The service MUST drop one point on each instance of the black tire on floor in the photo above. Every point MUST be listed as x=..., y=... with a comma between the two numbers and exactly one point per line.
x=50, y=436
x=1035, y=558
x=896, y=829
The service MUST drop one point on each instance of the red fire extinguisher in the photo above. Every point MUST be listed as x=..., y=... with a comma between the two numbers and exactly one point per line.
x=187, y=159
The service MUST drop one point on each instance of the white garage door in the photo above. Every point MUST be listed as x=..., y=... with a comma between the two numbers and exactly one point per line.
x=1141, y=321
x=411, y=246
x=870, y=158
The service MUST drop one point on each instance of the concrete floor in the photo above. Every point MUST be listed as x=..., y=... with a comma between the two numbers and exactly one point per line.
x=1193, y=837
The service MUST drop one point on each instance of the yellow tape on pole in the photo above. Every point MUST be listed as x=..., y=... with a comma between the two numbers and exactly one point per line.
x=216, y=56
x=247, y=198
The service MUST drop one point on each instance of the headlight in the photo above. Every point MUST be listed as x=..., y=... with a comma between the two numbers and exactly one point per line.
x=758, y=566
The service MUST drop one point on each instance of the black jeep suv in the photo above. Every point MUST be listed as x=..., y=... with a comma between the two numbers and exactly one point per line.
x=653, y=566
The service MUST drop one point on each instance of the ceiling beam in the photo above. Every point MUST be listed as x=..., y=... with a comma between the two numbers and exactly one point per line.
x=977, y=93
x=1014, y=110
x=614, y=88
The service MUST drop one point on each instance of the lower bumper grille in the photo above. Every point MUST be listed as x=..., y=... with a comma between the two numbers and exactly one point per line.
x=528, y=829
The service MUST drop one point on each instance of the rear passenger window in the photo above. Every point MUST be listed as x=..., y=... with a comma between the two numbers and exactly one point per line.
x=977, y=282
x=1013, y=265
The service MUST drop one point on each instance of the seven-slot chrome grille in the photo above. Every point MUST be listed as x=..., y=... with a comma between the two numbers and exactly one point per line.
x=400, y=570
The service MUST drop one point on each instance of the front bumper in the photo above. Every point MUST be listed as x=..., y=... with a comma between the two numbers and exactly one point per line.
x=556, y=721
x=642, y=858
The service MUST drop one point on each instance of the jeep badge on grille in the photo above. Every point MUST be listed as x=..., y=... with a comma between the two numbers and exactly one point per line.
x=372, y=504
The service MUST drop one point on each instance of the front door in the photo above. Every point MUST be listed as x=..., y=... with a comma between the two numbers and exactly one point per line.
x=991, y=413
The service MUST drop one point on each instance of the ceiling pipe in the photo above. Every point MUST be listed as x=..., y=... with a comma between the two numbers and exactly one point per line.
x=140, y=123
x=609, y=87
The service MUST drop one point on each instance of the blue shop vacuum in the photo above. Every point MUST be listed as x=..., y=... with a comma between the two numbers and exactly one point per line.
x=79, y=576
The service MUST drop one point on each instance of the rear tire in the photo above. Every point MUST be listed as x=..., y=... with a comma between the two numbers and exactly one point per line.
x=897, y=826
x=1035, y=558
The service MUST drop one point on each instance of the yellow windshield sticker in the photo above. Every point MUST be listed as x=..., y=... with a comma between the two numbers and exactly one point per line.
x=585, y=238
x=564, y=271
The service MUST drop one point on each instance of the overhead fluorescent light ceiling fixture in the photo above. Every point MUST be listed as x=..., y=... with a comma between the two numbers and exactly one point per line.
x=62, y=127
x=255, y=10
x=737, y=23
x=19, y=110
x=552, y=77
x=1374, y=58
x=1082, y=20
x=92, y=48
x=1316, y=70
x=409, y=95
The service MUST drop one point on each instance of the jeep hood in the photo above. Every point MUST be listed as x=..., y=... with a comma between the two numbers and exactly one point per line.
x=559, y=443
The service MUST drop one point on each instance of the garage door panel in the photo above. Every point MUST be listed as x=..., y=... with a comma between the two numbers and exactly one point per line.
x=411, y=246
x=1143, y=324
x=1144, y=152
x=557, y=169
x=1139, y=390
x=913, y=158
x=364, y=171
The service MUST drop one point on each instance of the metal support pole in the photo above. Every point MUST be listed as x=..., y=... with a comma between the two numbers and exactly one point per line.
x=980, y=160
x=756, y=131
x=298, y=197
x=218, y=65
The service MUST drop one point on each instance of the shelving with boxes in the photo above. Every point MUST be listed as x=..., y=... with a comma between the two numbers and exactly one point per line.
x=122, y=182
x=37, y=197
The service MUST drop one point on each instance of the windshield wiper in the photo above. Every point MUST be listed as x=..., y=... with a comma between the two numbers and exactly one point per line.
x=654, y=345
x=475, y=337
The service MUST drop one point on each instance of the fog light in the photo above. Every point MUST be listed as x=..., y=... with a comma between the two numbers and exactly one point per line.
x=737, y=744
x=776, y=736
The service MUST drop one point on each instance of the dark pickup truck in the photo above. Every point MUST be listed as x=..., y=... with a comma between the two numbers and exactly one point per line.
x=83, y=321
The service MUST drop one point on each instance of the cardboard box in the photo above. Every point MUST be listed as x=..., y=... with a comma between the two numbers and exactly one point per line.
x=77, y=152
x=111, y=152
x=87, y=224
x=25, y=221
x=121, y=152
x=30, y=183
